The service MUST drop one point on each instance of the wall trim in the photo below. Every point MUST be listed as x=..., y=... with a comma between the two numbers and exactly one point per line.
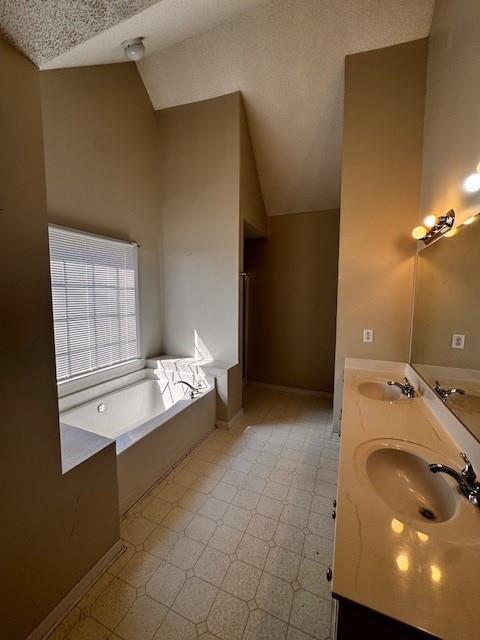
x=53, y=619
x=296, y=390
x=228, y=424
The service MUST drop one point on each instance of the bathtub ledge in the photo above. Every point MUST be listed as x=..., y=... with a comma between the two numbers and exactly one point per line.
x=78, y=445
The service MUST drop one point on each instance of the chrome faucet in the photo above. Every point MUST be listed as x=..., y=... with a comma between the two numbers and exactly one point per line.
x=466, y=479
x=406, y=389
x=446, y=393
x=193, y=390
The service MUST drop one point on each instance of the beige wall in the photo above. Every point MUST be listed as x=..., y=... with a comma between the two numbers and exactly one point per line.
x=447, y=301
x=452, y=114
x=199, y=185
x=101, y=167
x=381, y=173
x=252, y=208
x=54, y=527
x=292, y=302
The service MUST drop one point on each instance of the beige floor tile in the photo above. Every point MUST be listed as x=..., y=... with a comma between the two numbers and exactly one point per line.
x=165, y=583
x=237, y=517
x=139, y=569
x=289, y=537
x=312, y=577
x=160, y=541
x=260, y=470
x=283, y=563
x=299, y=498
x=285, y=465
x=178, y=519
x=274, y=596
x=192, y=500
x=254, y=483
x=225, y=539
x=228, y=617
x=270, y=507
x=253, y=551
x=171, y=492
x=214, y=508
x=137, y=530
x=195, y=599
x=276, y=490
x=156, y=510
x=241, y=580
x=95, y=590
x=295, y=516
x=318, y=549
x=296, y=634
x=205, y=485
x=281, y=476
x=246, y=499
x=262, y=527
x=127, y=552
x=185, y=552
x=321, y=525
x=323, y=488
x=321, y=504
x=89, y=629
x=234, y=477
x=224, y=491
x=311, y=614
x=241, y=464
x=201, y=529
x=113, y=603
x=262, y=626
x=175, y=627
x=184, y=478
x=212, y=566
x=142, y=619
x=214, y=471
x=300, y=481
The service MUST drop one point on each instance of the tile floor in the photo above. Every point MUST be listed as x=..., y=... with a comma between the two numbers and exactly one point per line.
x=234, y=543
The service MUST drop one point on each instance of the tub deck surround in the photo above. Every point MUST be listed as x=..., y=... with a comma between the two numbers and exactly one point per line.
x=233, y=544
x=421, y=573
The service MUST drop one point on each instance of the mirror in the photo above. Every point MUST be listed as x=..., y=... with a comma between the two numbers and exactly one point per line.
x=446, y=321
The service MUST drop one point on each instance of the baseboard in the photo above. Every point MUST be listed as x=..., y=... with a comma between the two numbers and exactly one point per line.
x=296, y=390
x=228, y=424
x=49, y=624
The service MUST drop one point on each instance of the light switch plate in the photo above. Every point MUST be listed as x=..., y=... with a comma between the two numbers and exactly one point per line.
x=368, y=335
x=458, y=341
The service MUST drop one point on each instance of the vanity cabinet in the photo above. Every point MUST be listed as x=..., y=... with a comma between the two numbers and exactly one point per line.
x=352, y=620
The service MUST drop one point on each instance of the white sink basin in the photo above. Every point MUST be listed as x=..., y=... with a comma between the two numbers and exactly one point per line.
x=404, y=482
x=379, y=391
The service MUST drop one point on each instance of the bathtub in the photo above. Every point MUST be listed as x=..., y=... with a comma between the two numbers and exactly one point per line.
x=153, y=422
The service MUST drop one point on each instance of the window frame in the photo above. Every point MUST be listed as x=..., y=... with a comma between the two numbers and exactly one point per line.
x=103, y=374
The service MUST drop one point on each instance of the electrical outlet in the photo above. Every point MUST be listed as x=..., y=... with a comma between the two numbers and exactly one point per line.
x=458, y=341
x=368, y=335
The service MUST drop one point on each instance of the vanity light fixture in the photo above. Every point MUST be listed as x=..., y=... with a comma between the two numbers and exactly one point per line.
x=134, y=48
x=472, y=183
x=435, y=227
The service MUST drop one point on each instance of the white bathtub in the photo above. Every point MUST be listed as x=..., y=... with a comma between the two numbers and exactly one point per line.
x=154, y=423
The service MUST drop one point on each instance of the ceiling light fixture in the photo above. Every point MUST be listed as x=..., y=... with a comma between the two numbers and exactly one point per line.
x=134, y=49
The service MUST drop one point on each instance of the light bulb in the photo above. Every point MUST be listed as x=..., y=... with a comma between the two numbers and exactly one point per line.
x=472, y=183
x=469, y=220
x=397, y=526
x=134, y=49
x=419, y=232
x=402, y=561
x=430, y=221
x=451, y=233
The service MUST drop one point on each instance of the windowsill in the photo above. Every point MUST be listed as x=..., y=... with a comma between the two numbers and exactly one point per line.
x=80, y=383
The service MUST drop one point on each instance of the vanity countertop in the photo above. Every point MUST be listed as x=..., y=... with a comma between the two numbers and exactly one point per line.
x=425, y=574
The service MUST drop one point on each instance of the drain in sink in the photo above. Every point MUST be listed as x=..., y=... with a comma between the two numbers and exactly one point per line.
x=427, y=514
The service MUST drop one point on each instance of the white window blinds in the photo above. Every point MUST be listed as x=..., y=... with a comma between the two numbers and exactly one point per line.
x=94, y=294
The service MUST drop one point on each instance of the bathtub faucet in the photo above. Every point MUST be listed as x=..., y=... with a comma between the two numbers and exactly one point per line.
x=193, y=390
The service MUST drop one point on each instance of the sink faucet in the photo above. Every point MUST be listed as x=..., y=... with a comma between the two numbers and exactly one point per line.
x=406, y=389
x=466, y=479
x=446, y=393
x=193, y=390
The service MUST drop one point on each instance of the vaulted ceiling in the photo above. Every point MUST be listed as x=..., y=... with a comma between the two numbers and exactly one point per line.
x=286, y=56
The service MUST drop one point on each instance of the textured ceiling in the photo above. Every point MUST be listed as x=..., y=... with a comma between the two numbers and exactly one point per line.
x=286, y=56
x=42, y=29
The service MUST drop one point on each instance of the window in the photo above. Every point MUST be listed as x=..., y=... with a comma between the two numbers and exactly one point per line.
x=94, y=294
